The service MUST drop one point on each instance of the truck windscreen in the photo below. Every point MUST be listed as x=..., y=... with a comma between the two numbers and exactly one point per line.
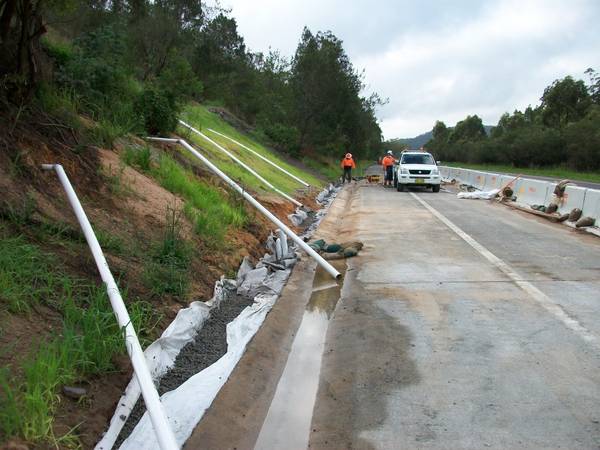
x=417, y=159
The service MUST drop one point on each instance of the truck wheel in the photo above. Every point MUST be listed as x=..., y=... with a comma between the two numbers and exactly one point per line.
x=435, y=188
x=395, y=182
x=400, y=187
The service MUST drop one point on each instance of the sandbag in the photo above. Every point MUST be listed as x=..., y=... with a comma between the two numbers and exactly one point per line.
x=559, y=190
x=574, y=215
x=333, y=248
x=552, y=208
x=318, y=245
x=585, y=222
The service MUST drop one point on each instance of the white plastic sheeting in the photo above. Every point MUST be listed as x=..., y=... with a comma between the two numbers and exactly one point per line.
x=186, y=405
x=485, y=195
x=298, y=217
x=160, y=356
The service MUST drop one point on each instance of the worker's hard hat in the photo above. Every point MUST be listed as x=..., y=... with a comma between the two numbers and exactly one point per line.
x=348, y=155
x=389, y=152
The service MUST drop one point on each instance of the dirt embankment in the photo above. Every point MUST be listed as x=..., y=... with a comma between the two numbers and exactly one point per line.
x=129, y=209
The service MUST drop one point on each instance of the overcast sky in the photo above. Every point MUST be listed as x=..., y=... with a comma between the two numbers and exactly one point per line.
x=440, y=60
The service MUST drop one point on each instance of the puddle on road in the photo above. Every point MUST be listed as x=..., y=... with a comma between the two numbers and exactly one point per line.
x=287, y=424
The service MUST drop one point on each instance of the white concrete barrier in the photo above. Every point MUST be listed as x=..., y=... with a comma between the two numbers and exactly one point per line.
x=550, y=194
x=573, y=198
x=591, y=205
x=532, y=192
x=492, y=181
x=479, y=179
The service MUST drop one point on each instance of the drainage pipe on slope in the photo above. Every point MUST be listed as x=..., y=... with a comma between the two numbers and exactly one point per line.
x=322, y=262
x=261, y=157
x=241, y=163
x=160, y=423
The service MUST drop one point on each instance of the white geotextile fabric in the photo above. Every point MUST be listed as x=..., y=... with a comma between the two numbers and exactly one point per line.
x=186, y=405
x=298, y=217
x=160, y=356
x=484, y=195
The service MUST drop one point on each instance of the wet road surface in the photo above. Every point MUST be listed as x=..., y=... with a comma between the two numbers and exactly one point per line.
x=461, y=325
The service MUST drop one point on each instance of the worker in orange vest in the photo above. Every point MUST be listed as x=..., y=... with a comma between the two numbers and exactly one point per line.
x=348, y=164
x=388, y=168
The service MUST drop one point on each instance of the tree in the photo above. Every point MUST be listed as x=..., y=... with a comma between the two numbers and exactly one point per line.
x=470, y=128
x=329, y=111
x=564, y=101
x=440, y=131
x=594, y=87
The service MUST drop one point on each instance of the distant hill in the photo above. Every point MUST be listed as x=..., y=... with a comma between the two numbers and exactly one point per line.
x=418, y=141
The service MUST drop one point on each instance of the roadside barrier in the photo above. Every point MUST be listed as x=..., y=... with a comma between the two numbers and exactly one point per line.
x=478, y=179
x=492, y=181
x=591, y=205
x=530, y=191
x=328, y=267
x=160, y=423
x=573, y=197
x=241, y=163
x=261, y=157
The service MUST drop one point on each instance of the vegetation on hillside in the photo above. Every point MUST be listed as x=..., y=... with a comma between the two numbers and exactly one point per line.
x=202, y=119
x=132, y=65
x=564, y=130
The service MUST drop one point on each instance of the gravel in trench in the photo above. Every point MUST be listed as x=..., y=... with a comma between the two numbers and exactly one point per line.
x=209, y=345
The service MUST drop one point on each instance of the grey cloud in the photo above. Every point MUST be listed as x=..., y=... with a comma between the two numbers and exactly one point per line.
x=441, y=59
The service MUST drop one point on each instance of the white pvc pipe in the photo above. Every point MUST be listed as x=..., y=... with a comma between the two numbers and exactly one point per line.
x=261, y=157
x=241, y=163
x=162, y=428
x=328, y=267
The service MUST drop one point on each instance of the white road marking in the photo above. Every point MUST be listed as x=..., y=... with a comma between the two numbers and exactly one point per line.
x=529, y=288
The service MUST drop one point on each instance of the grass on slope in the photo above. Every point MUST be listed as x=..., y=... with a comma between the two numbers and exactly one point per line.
x=555, y=172
x=211, y=212
x=83, y=347
x=199, y=117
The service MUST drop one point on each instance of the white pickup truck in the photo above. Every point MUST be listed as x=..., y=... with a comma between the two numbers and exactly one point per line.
x=417, y=169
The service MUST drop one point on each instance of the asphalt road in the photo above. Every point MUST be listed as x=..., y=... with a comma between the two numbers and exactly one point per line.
x=461, y=325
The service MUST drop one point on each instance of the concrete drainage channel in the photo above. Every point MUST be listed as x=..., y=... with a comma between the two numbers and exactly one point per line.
x=193, y=358
x=286, y=427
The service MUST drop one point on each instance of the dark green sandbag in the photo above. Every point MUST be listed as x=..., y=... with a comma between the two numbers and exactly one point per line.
x=333, y=248
x=552, y=207
x=318, y=245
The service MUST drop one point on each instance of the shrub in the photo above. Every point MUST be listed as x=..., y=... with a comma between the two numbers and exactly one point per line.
x=158, y=110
